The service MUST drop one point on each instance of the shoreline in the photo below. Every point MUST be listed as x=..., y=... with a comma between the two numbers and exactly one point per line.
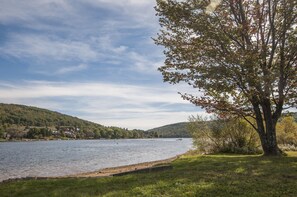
x=108, y=172
x=105, y=172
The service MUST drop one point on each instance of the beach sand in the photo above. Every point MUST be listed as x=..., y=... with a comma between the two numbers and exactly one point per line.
x=124, y=169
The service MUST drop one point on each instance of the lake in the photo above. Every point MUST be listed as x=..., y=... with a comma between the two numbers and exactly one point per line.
x=58, y=158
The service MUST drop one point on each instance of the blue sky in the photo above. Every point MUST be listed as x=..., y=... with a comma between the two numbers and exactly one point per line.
x=93, y=59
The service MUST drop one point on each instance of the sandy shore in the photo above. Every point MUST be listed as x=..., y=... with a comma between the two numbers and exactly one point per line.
x=109, y=171
x=122, y=169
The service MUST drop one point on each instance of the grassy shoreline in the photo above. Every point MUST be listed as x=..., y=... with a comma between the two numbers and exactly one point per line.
x=192, y=175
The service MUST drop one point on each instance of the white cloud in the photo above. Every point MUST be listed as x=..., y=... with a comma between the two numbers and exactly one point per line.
x=96, y=49
x=71, y=69
x=141, y=63
x=124, y=5
x=107, y=44
x=121, y=105
x=31, y=11
x=76, y=32
x=140, y=11
x=131, y=93
x=40, y=47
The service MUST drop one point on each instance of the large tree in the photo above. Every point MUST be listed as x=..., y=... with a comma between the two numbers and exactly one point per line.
x=239, y=54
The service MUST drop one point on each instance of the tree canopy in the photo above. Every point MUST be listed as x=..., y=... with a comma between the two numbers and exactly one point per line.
x=240, y=54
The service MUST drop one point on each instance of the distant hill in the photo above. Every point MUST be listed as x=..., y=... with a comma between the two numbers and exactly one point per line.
x=33, y=116
x=176, y=130
x=20, y=121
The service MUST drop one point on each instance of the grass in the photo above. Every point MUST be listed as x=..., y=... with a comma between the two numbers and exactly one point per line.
x=192, y=175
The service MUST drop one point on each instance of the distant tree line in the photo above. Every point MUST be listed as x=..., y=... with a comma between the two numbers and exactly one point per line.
x=15, y=132
x=19, y=122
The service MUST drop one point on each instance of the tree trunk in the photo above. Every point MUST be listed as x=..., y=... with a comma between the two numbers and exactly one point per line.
x=267, y=132
x=269, y=145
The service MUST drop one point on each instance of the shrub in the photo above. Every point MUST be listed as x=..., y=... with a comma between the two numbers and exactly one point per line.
x=223, y=135
x=286, y=132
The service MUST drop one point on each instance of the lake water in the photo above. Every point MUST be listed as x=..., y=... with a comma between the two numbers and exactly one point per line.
x=58, y=158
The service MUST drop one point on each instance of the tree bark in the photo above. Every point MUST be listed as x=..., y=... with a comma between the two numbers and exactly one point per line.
x=270, y=147
x=266, y=128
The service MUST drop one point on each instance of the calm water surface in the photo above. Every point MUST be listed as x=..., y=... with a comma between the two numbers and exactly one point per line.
x=57, y=158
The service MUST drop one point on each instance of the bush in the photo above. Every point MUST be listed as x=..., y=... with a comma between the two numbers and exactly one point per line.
x=286, y=133
x=223, y=136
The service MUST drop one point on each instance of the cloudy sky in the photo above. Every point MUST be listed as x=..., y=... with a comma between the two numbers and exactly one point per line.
x=93, y=59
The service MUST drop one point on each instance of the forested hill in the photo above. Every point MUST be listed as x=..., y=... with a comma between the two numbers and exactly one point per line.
x=33, y=116
x=172, y=130
x=20, y=121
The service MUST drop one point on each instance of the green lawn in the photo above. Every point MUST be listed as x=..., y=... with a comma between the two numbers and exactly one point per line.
x=192, y=175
